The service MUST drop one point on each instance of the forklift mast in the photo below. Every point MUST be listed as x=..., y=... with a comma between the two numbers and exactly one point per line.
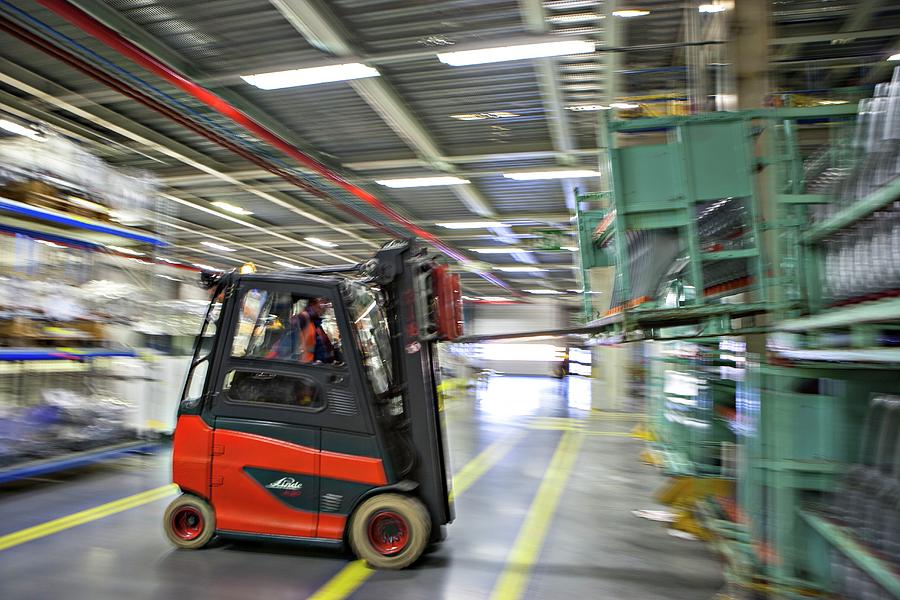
x=411, y=282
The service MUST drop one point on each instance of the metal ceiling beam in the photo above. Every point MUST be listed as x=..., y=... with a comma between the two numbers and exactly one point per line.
x=115, y=20
x=827, y=37
x=858, y=20
x=323, y=30
x=547, y=72
x=882, y=71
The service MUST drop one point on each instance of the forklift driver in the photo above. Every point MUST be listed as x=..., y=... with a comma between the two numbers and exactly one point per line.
x=304, y=339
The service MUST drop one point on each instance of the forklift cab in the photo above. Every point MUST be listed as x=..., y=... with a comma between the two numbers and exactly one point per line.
x=310, y=409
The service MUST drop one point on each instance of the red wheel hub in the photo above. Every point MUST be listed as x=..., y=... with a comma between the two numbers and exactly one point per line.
x=187, y=523
x=388, y=533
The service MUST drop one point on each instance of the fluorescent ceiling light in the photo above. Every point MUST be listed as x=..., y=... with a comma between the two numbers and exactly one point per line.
x=498, y=250
x=206, y=267
x=519, y=52
x=321, y=242
x=569, y=248
x=630, y=13
x=226, y=206
x=481, y=116
x=411, y=182
x=471, y=224
x=555, y=174
x=496, y=299
x=712, y=8
x=894, y=57
x=521, y=269
x=831, y=102
x=19, y=129
x=624, y=105
x=285, y=264
x=122, y=250
x=585, y=17
x=310, y=76
x=216, y=246
x=544, y=291
x=570, y=4
x=587, y=107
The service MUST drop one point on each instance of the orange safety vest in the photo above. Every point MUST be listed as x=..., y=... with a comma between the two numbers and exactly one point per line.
x=307, y=340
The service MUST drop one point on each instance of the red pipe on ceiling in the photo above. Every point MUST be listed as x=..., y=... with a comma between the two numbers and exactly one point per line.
x=117, y=42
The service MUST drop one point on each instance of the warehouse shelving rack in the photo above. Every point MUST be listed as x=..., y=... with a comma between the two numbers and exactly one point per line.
x=800, y=410
x=19, y=363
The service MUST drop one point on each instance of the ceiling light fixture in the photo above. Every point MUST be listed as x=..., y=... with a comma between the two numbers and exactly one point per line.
x=226, y=206
x=569, y=248
x=712, y=8
x=123, y=250
x=630, y=13
x=521, y=269
x=498, y=250
x=625, y=105
x=587, y=107
x=216, y=246
x=471, y=224
x=556, y=174
x=496, y=299
x=894, y=57
x=19, y=129
x=412, y=182
x=585, y=17
x=518, y=52
x=570, y=4
x=310, y=76
x=49, y=243
x=321, y=242
x=544, y=291
x=206, y=267
x=481, y=116
x=285, y=264
x=831, y=102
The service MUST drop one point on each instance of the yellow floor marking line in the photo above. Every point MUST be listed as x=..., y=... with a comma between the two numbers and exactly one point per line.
x=513, y=581
x=487, y=458
x=345, y=582
x=356, y=573
x=85, y=516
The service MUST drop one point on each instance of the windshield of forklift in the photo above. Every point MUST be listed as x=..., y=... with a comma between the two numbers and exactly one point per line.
x=373, y=334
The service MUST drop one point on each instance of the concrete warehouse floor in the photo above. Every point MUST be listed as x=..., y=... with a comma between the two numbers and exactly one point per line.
x=544, y=500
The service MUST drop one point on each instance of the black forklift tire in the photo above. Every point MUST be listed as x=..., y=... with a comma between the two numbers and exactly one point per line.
x=390, y=531
x=189, y=522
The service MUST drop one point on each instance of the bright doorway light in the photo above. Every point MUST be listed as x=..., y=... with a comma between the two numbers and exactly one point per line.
x=519, y=52
x=311, y=76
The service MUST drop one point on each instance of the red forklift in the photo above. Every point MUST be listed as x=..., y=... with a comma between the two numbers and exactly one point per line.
x=341, y=444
